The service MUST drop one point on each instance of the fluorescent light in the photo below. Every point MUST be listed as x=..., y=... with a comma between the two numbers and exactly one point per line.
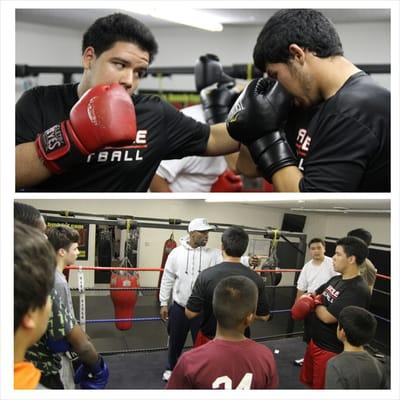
x=341, y=210
x=182, y=15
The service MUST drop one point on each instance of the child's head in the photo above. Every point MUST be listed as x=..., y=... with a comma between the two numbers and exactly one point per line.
x=235, y=302
x=34, y=268
x=29, y=215
x=356, y=325
x=234, y=241
x=65, y=241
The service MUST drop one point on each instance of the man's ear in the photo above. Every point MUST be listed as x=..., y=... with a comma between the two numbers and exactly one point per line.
x=28, y=321
x=88, y=57
x=249, y=319
x=298, y=54
x=352, y=260
x=61, y=252
x=341, y=334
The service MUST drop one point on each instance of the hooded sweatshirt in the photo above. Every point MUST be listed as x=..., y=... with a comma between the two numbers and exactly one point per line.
x=182, y=267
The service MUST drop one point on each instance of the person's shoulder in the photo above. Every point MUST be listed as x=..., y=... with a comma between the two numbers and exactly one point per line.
x=55, y=89
x=155, y=105
x=175, y=252
x=43, y=91
x=328, y=261
x=52, y=94
x=261, y=347
x=142, y=98
x=252, y=274
x=334, y=360
x=334, y=280
x=360, y=98
x=197, y=352
x=208, y=273
x=211, y=250
x=364, y=82
x=370, y=265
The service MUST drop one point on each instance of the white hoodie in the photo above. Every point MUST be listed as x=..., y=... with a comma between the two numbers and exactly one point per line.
x=182, y=267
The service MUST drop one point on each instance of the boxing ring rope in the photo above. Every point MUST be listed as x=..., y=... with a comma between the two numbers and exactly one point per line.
x=82, y=300
x=239, y=71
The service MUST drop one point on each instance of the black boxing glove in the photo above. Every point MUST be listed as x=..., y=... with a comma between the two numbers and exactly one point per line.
x=256, y=120
x=217, y=100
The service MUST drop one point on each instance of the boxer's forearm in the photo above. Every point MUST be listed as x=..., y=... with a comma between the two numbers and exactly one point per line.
x=29, y=169
x=287, y=179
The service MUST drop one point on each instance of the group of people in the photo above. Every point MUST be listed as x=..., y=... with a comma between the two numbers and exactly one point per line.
x=51, y=351
x=211, y=297
x=333, y=297
x=316, y=123
x=216, y=295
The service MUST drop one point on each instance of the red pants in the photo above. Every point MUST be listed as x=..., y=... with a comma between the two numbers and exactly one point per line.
x=312, y=372
x=201, y=339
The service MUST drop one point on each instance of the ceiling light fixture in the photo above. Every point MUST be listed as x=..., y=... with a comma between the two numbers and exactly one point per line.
x=341, y=210
x=183, y=15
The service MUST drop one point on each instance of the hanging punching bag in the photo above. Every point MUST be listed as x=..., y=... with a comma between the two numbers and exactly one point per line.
x=169, y=245
x=124, y=300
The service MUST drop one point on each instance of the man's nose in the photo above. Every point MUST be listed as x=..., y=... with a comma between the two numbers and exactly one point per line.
x=128, y=79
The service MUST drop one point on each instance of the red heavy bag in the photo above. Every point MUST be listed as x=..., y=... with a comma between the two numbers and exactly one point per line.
x=124, y=300
x=169, y=245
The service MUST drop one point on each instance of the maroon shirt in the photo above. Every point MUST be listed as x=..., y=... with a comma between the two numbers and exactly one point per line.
x=223, y=364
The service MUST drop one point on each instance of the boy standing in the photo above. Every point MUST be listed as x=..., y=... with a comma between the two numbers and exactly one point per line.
x=230, y=360
x=355, y=368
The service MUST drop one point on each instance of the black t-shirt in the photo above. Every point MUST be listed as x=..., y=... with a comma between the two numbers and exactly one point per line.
x=203, y=290
x=165, y=133
x=337, y=293
x=346, y=145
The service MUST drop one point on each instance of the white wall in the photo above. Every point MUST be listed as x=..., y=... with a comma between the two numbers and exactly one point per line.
x=152, y=240
x=45, y=45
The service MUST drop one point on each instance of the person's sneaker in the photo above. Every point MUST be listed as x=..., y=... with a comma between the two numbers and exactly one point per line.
x=299, y=362
x=166, y=375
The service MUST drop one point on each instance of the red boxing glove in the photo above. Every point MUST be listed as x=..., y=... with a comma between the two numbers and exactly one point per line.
x=302, y=307
x=227, y=182
x=103, y=116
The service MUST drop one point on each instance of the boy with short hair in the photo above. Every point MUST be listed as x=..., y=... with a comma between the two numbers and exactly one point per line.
x=34, y=262
x=230, y=360
x=65, y=241
x=355, y=368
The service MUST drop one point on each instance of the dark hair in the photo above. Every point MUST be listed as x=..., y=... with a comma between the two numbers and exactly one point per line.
x=316, y=240
x=34, y=269
x=118, y=27
x=235, y=241
x=361, y=234
x=234, y=298
x=27, y=214
x=62, y=236
x=307, y=28
x=354, y=246
x=358, y=324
